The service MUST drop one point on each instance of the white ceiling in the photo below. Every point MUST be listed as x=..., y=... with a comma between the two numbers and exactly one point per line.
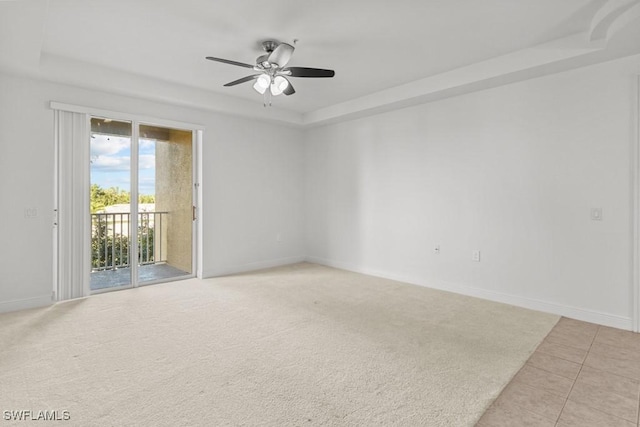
x=371, y=44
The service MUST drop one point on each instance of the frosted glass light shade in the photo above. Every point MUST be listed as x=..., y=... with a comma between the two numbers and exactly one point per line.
x=279, y=85
x=262, y=83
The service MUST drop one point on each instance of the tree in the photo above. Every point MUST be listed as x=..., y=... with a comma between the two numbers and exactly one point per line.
x=147, y=198
x=108, y=248
x=100, y=197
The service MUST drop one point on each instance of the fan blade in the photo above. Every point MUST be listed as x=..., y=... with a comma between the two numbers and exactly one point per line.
x=281, y=55
x=243, y=80
x=230, y=62
x=308, y=72
x=289, y=89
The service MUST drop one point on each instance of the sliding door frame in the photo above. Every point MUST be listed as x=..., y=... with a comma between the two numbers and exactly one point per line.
x=136, y=120
x=635, y=213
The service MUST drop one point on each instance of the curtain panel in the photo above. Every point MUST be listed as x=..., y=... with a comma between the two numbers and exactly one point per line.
x=73, y=264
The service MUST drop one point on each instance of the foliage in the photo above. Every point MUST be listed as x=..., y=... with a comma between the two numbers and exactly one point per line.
x=145, y=242
x=102, y=197
x=110, y=249
x=146, y=198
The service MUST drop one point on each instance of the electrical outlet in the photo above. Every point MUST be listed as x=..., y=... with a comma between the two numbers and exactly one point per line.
x=475, y=255
x=436, y=249
x=279, y=237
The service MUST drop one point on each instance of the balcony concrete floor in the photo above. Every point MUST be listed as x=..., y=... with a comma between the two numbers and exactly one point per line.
x=122, y=276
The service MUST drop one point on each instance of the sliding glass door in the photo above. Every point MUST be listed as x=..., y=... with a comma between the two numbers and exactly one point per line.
x=110, y=197
x=165, y=203
x=142, y=204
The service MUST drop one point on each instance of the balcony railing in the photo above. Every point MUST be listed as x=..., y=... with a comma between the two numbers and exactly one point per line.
x=110, y=242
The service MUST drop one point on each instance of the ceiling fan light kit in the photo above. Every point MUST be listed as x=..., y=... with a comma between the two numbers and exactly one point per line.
x=273, y=71
x=262, y=83
x=279, y=85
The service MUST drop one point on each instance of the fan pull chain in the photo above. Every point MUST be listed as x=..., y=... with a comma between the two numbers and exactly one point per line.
x=267, y=94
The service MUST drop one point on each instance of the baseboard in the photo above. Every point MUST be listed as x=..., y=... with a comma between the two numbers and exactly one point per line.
x=23, y=304
x=259, y=265
x=605, y=319
x=518, y=301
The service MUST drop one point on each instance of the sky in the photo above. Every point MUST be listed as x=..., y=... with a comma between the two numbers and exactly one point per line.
x=111, y=163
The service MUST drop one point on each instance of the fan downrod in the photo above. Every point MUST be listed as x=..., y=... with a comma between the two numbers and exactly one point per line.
x=269, y=45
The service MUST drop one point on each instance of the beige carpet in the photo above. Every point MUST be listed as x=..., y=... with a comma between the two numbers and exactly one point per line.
x=302, y=345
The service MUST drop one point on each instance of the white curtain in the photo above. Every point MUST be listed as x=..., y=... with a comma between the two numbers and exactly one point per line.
x=73, y=241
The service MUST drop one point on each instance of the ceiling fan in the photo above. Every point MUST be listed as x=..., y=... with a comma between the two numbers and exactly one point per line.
x=272, y=70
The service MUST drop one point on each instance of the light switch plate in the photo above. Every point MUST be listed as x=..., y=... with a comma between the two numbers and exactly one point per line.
x=30, y=212
x=596, y=214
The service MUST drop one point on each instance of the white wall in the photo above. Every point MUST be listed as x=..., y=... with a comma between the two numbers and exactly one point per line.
x=511, y=171
x=252, y=186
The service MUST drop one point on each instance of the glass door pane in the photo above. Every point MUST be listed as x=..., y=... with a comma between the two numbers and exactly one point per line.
x=110, y=172
x=165, y=203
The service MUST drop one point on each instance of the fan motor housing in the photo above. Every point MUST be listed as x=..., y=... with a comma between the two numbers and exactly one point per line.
x=263, y=61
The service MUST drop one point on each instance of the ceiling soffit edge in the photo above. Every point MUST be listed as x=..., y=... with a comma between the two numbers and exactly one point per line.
x=612, y=17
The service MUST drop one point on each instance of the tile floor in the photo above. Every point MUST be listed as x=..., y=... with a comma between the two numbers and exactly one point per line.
x=122, y=276
x=581, y=375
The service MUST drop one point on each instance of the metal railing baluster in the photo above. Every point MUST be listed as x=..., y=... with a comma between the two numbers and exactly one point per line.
x=147, y=238
x=113, y=243
x=159, y=246
x=104, y=235
x=104, y=241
